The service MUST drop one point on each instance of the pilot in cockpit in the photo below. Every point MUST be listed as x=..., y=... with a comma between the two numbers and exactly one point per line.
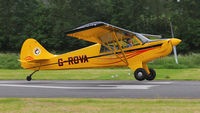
x=130, y=42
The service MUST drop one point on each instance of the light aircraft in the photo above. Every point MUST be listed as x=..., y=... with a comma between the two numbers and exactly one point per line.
x=112, y=49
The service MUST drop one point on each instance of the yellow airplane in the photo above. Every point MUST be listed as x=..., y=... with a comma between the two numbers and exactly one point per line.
x=115, y=47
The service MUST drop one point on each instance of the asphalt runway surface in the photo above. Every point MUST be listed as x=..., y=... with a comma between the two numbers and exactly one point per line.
x=100, y=89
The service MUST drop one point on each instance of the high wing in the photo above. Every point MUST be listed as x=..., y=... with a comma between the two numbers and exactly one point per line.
x=104, y=33
x=101, y=32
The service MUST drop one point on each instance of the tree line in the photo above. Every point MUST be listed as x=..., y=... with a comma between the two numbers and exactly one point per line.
x=47, y=20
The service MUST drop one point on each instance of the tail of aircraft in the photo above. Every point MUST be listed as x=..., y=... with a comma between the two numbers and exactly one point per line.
x=32, y=52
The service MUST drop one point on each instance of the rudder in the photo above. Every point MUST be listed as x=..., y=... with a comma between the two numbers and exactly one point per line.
x=32, y=51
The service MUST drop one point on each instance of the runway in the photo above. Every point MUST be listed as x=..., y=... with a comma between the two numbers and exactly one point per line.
x=100, y=89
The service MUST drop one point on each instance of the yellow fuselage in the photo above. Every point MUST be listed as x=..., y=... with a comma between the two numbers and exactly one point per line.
x=90, y=57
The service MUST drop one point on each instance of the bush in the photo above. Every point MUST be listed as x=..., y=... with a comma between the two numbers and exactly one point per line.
x=185, y=61
x=9, y=61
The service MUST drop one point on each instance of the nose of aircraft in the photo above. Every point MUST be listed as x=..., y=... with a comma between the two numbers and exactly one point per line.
x=175, y=41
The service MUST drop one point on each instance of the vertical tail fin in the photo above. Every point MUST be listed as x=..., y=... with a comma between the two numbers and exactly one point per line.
x=32, y=51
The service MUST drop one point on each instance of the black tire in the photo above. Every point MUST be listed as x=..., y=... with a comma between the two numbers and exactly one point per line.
x=28, y=78
x=152, y=74
x=140, y=74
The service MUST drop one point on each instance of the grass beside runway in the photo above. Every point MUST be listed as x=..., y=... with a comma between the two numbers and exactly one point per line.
x=98, y=74
x=65, y=105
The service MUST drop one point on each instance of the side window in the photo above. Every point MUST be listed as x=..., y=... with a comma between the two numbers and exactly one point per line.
x=125, y=43
x=112, y=46
x=104, y=49
x=132, y=41
x=135, y=42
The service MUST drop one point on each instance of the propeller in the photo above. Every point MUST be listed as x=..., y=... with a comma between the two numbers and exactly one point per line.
x=174, y=47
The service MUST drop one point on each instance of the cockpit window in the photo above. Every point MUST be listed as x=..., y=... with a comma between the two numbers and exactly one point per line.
x=104, y=49
x=132, y=41
x=142, y=38
x=113, y=46
x=124, y=43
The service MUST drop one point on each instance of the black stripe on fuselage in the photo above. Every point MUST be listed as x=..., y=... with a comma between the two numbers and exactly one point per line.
x=127, y=51
x=103, y=55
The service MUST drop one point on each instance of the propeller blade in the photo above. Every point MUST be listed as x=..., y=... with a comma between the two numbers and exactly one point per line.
x=174, y=47
x=175, y=54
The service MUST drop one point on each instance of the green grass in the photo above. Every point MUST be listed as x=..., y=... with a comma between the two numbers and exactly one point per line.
x=10, y=61
x=91, y=105
x=98, y=74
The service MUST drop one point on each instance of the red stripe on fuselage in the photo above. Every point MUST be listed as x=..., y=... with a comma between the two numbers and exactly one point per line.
x=131, y=55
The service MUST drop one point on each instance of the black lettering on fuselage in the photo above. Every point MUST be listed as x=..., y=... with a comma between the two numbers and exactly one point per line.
x=76, y=60
x=70, y=60
x=81, y=58
x=85, y=59
x=60, y=62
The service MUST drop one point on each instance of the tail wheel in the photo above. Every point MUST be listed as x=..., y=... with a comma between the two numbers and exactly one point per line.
x=152, y=74
x=28, y=78
x=140, y=74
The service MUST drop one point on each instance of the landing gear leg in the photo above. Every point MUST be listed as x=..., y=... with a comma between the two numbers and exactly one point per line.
x=28, y=78
x=152, y=74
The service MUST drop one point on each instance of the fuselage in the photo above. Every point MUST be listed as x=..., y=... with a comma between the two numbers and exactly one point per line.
x=92, y=57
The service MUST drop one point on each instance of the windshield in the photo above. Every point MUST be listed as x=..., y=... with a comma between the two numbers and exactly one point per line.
x=142, y=38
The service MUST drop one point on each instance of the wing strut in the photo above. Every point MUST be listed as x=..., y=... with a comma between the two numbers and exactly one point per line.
x=113, y=52
x=120, y=47
x=115, y=39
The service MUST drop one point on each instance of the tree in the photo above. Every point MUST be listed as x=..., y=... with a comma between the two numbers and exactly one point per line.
x=47, y=20
x=13, y=19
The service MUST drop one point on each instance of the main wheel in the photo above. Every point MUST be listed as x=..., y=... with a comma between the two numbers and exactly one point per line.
x=152, y=74
x=140, y=74
x=28, y=78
